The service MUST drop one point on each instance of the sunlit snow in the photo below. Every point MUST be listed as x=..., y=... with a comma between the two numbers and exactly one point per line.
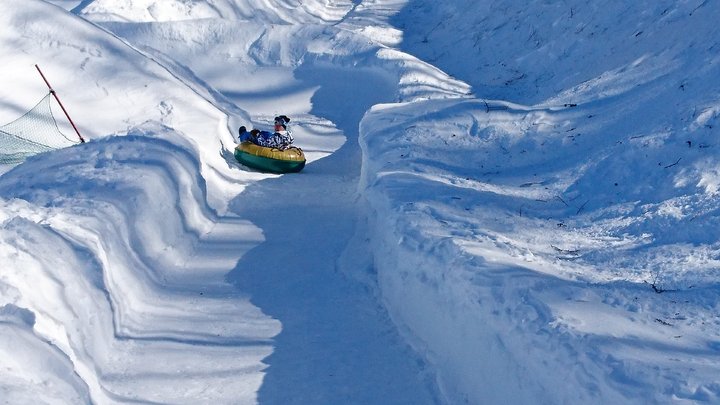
x=504, y=203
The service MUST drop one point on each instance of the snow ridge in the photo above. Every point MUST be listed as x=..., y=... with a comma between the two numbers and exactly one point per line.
x=576, y=235
x=161, y=288
x=268, y=11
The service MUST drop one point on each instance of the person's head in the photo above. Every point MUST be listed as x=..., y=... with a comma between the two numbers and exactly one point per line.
x=281, y=122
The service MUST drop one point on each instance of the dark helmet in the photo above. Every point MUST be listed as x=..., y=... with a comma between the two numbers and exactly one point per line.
x=280, y=122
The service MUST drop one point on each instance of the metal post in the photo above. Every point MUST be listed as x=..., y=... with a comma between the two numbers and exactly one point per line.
x=61, y=104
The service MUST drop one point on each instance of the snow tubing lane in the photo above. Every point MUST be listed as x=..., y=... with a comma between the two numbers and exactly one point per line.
x=290, y=160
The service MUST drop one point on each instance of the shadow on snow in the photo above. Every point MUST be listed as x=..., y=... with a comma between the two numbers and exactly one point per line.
x=337, y=343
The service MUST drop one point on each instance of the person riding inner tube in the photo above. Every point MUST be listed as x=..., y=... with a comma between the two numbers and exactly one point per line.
x=270, y=151
x=280, y=139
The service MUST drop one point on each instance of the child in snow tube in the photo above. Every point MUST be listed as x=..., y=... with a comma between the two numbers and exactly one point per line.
x=280, y=139
x=270, y=151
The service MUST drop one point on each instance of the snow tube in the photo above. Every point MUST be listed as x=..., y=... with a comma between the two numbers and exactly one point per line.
x=290, y=160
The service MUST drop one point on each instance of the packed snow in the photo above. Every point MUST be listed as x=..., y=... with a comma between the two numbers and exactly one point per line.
x=504, y=203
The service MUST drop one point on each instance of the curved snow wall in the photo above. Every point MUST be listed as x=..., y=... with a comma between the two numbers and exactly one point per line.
x=521, y=247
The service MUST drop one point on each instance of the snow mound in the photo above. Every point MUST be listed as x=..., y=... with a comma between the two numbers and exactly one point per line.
x=273, y=11
x=509, y=50
x=578, y=235
x=115, y=294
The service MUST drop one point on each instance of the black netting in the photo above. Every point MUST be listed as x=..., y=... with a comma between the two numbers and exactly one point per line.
x=34, y=132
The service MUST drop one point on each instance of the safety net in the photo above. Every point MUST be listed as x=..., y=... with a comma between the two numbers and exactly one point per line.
x=34, y=132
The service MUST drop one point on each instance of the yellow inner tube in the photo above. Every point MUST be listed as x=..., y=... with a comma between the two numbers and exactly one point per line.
x=292, y=153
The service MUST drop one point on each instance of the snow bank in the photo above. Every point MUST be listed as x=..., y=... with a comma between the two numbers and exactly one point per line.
x=527, y=54
x=29, y=361
x=115, y=254
x=569, y=244
x=499, y=280
x=131, y=277
x=89, y=67
x=273, y=11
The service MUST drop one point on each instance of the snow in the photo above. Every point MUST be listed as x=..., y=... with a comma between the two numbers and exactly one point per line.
x=516, y=207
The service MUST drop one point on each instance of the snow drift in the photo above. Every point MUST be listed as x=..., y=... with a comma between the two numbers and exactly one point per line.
x=544, y=233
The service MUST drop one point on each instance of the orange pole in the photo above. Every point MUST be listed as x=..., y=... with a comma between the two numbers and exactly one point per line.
x=61, y=104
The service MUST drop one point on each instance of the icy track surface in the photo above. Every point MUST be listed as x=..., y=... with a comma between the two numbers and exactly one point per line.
x=517, y=207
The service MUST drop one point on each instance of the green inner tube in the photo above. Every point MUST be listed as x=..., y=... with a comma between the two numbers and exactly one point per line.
x=290, y=160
